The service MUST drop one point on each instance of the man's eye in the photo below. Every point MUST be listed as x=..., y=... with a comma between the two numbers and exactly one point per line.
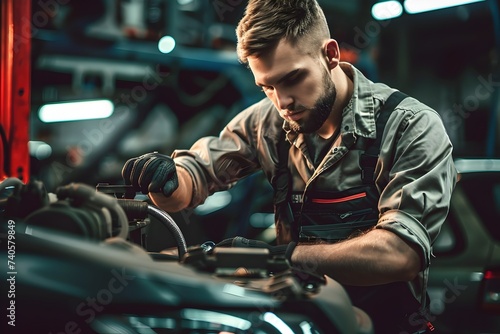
x=293, y=80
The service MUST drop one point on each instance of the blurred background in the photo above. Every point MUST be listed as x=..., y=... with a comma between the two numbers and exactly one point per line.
x=169, y=70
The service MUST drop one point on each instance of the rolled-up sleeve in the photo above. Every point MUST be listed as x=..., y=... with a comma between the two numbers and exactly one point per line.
x=416, y=175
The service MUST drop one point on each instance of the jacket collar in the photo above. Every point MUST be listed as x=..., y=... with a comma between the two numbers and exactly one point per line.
x=358, y=118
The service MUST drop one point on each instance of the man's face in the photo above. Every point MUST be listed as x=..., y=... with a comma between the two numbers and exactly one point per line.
x=299, y=86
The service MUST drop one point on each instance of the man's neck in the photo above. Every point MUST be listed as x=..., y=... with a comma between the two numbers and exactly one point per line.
x=345, y=88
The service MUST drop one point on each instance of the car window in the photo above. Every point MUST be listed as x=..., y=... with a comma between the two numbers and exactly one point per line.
x=483, y=192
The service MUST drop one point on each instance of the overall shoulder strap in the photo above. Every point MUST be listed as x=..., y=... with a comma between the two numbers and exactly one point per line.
x=283, y=216
x=368, y=159
x=281, y=179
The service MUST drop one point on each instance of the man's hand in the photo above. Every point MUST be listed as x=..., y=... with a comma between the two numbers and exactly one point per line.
x=151, y=172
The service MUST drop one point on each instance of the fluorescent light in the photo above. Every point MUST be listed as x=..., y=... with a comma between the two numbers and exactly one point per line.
x=477, y=165
x=75, y=111
x=387, y=10
x=166, y=44
x=419, y=6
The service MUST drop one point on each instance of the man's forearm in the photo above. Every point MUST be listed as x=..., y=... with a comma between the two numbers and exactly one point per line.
x=377, y=257
x=181, y=197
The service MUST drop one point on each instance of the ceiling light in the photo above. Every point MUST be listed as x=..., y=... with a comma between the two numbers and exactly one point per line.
x=75, y=111
x=387, y=10
x=420, y=6
x=166, y=44
x=39, y=149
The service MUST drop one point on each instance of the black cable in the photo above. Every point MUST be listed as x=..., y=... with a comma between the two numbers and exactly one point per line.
x=169, y=223
x=140, y=210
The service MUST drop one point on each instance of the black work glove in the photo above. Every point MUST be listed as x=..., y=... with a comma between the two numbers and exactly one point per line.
x=151, y=172
x=283, y=251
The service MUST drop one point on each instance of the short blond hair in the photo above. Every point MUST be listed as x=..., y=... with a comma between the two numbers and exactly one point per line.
x=266, y=22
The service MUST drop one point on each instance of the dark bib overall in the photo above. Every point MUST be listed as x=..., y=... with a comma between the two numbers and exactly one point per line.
x=333, y=216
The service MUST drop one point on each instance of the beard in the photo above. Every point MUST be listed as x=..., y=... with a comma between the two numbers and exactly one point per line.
x=320, y=112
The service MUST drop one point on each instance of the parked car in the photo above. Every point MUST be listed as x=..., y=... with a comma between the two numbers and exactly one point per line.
x=464, y=280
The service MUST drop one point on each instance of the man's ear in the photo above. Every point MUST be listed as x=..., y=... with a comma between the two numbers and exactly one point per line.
x=332, y=53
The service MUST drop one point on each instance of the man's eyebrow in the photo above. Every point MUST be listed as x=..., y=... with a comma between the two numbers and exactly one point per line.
x=288, y=75
x=283, y=78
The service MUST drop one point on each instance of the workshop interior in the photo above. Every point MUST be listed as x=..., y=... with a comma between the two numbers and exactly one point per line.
x=86, y=85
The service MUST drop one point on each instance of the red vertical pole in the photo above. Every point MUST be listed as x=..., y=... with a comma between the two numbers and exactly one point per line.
x=15, y=79
x=6, y=36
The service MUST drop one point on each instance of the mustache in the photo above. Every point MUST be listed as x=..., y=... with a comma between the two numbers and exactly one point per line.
x=295, y=109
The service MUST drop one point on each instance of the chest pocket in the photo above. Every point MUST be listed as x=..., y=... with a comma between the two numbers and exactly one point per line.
x=333, y=216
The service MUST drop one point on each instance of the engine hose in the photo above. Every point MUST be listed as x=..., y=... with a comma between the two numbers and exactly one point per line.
x=122, y=217
x=82, y=193
x=169, y=223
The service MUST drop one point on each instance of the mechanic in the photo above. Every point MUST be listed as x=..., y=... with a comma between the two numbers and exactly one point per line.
x=362, y=173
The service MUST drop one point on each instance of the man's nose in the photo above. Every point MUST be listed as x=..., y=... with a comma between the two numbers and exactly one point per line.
x=284, y=100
